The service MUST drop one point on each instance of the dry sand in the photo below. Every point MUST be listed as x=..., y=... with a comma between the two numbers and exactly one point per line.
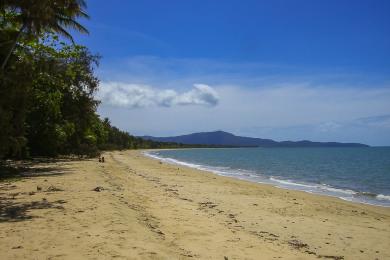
x=152, y=210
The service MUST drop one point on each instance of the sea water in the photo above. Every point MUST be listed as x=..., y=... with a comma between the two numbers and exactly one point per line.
x=353, y=174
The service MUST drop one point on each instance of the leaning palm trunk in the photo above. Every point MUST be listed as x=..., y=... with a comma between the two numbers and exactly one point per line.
x=11, y=50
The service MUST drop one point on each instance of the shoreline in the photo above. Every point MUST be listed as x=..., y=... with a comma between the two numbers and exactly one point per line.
x=326, y=190
x=135, y=207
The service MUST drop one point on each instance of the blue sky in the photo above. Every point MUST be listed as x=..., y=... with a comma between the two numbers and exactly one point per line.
x=274, y=69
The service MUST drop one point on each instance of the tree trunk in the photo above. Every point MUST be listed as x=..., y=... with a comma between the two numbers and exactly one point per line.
x=12, y=48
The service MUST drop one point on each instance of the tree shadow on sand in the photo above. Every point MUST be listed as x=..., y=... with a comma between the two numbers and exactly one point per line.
x=14, y=212
x=13, y=171
x=16, y=170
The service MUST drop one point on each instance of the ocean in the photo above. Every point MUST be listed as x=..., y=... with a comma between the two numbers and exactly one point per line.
x=354, y=174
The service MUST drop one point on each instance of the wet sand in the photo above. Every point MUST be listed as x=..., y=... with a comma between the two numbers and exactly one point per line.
x=134, y=207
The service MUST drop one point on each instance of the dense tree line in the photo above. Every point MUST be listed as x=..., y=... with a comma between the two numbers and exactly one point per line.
x=47, y=87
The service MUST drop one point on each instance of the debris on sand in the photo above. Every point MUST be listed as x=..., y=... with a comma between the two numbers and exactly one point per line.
x=98, y=189
x=334, y=257
x=297, y=244
x=53, y=188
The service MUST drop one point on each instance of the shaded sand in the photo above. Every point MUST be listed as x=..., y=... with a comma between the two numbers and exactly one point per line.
x=152, y=210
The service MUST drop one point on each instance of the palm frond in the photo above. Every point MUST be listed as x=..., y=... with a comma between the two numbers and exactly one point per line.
x=58, y=29
x=83, y=14
x=68, y=22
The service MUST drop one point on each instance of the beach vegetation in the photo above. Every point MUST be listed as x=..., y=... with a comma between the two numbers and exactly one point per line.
x=48, y=85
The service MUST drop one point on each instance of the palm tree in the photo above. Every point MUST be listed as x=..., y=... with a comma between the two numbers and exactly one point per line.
x=38, y=16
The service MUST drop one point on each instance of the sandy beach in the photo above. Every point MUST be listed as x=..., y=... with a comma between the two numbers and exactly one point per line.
x=134, y=207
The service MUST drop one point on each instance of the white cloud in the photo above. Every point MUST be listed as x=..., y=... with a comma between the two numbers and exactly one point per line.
x=261, y=100
x=329, y=126
x=282, y=112
x=374, y=121
x=118, y=94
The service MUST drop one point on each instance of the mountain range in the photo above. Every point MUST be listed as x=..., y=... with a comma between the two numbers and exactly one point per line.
x=221, y=138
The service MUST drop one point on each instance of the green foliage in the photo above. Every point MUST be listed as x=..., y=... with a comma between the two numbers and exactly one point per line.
x=47, y=104
x=14, y=95
x=40, y=16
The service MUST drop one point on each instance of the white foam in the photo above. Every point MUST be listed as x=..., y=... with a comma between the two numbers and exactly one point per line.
x=383, y=197
x=288, y=182
x=348, y=192
x=242, y=174
x=177, y=162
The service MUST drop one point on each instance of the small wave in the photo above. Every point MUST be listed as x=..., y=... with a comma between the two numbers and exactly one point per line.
x=314, y=188
x=367, y=194
x=170, y=160
x=324, y=189
x=288, y=182
x=177, y=162
x=383, y=197
x=331, y=189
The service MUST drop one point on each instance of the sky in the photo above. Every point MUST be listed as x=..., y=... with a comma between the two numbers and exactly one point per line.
x=280, y=69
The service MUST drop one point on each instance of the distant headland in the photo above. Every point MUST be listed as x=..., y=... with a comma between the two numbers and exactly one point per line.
x=221, y=138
